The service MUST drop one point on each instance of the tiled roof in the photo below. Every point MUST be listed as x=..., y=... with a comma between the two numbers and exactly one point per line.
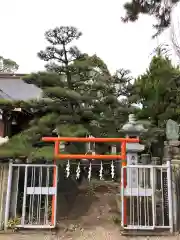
x=12, y=87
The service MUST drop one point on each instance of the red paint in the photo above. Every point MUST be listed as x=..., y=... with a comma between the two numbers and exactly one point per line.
x=76, y=139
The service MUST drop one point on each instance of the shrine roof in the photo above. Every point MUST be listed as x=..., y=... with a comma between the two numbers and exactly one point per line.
x=12, y=87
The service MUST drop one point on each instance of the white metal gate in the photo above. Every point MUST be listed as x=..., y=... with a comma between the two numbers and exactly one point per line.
x=147, y=199
x=31, y=196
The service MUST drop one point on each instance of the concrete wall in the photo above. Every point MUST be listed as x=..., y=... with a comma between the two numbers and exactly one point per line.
x=4, y=168
x=176, y=195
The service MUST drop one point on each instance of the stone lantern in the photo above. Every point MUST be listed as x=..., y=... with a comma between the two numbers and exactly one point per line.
x=133, y=129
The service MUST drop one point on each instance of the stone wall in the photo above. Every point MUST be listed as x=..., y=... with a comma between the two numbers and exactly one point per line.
x=172, y=153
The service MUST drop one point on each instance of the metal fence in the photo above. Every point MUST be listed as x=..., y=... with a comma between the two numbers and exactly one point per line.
x=31, y=196
x=147, y=199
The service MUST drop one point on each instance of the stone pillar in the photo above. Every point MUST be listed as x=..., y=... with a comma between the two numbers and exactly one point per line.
x=145, y=159
x=133, y=129
x=171, y=152
x=155, y=161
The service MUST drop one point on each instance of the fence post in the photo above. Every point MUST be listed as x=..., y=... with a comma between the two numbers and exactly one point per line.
x=169, y=180
x=8, y=196
x=145, y=160
x=24, y=196
x=156, y=161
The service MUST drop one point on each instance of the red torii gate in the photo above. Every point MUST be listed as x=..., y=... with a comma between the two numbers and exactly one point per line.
x=59, y=156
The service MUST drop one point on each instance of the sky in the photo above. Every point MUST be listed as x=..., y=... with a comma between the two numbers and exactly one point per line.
x=23, y=23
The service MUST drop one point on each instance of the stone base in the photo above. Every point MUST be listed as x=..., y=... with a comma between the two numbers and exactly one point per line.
x=141, y=233
x=175, y=162
x=174, y=143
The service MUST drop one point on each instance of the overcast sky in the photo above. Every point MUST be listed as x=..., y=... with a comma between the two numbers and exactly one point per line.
x=23, y=23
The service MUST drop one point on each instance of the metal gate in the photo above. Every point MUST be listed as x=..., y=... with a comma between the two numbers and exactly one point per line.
x=31, y=196
x=147, y=199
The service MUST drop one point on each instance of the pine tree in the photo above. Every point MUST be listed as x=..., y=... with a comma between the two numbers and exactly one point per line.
x=160, y=9
x=80, y=97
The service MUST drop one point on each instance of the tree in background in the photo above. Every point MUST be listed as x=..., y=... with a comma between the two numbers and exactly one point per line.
x=160, y=9
x=157, y=91
x=8, y=65
x=80, y=97
x=175, y=34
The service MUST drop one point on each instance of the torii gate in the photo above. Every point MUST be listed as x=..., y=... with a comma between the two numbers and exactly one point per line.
x=59, y=156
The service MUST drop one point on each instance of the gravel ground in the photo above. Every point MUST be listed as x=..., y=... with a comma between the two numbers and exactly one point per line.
x=92, y=220
x=98, y=233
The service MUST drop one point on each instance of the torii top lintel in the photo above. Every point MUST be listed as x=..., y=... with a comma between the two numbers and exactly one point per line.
x=59, y=156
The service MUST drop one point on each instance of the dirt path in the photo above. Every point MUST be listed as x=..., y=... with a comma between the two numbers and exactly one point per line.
x=98, y=233
x=91, y=215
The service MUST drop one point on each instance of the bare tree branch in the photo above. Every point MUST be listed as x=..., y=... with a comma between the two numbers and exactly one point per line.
x=175, y=36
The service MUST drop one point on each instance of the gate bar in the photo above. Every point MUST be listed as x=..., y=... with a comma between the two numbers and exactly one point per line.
x=59, y=156
x=124, y=183
x=53, y=216
x=81, y=139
